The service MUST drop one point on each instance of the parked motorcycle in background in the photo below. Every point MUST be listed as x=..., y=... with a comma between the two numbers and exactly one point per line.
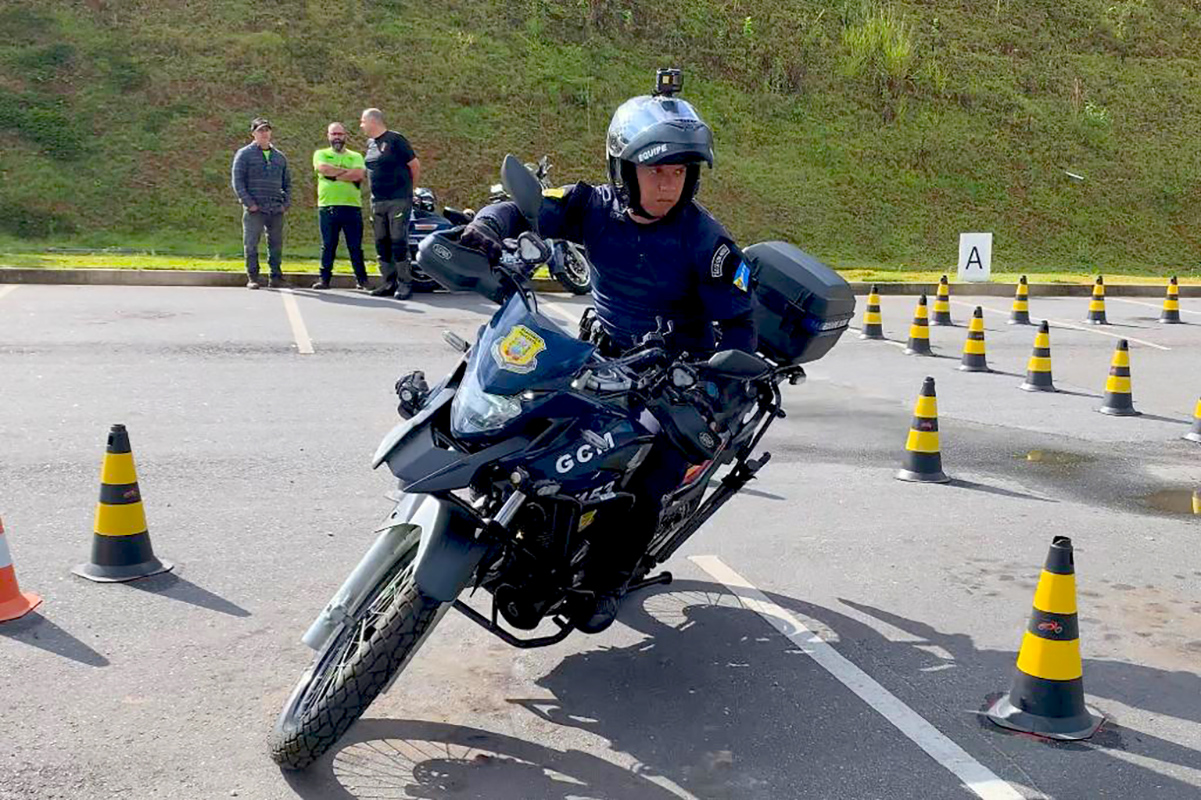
x=425, y=220
x=569, y=263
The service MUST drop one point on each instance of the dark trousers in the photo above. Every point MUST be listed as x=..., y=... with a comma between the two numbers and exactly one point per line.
x=253, y=225
x=390, y=223
x=334, y=221
x=623, y=541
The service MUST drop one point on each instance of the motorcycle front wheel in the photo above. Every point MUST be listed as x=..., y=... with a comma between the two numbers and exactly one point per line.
x=576, y=275
x=355, y=666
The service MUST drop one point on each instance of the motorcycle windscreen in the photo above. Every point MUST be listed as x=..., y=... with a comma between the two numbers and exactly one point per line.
x=519, y=350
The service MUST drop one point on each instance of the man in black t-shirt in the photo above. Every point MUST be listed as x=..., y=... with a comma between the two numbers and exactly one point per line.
x=394, y=170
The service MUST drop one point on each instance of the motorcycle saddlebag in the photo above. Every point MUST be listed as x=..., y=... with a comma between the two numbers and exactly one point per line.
x=803, y=306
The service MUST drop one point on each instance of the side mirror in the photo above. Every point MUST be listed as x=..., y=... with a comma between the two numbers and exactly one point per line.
x=738, y=364
x=523, y=187
x=532, y=249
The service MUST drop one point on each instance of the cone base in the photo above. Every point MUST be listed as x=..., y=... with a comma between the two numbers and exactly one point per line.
x=922, y=477
x=19, y=606
x=873, y=336
x=966, y=368
x=1096, y=322
x=942, y=323
x=1034, y=387
x=1119, y=412
x=909, y=351
x=1020, y=321
x=1175, y=321
x=124, y=574
x=1192, y=437
x=1082, y=726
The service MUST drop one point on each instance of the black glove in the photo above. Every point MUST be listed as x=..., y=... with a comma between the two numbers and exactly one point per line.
x=479, y=235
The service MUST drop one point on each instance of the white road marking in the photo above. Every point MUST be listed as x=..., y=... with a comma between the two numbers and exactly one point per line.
x=1064, y=324
x=978, y=778
x=560, y=311
x=901, y=345
x=1157, y=307
x=7, y=290
x=300, y=333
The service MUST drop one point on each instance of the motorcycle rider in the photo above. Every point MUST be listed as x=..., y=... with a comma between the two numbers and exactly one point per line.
x=656, y=254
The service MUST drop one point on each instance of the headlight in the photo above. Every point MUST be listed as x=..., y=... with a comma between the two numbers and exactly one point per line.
x=475, y=411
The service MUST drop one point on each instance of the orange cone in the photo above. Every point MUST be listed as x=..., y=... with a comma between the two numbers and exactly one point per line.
x=13, y=602
x=1171, y=304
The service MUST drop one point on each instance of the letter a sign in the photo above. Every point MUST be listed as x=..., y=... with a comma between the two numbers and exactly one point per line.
x=975, y=256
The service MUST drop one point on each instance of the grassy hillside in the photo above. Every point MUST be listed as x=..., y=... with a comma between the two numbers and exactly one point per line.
x=868, y=133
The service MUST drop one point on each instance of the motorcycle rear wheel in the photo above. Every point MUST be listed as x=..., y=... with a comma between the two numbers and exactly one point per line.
x=576, y=276
x=355, y=666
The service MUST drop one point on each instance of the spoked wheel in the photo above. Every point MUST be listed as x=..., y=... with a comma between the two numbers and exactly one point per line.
x=355, y=665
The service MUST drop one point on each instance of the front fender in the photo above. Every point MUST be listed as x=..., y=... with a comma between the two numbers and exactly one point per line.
x=449, y=552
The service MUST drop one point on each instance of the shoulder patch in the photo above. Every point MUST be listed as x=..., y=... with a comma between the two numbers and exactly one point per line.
x=718, y=262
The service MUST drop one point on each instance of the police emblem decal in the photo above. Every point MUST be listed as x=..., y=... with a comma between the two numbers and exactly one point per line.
x=518, y=350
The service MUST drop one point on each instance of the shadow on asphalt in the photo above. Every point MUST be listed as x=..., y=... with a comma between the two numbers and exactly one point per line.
x=168, y=584
x=716, y=701
x=344, y=298
x=36, y=631
x=960, y=483
x=386, y=759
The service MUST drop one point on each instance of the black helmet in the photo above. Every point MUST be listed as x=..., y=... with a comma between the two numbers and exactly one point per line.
x=425, y=199
x=652, y=130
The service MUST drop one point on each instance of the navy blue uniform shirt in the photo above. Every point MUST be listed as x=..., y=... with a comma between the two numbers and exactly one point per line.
x=680, y=268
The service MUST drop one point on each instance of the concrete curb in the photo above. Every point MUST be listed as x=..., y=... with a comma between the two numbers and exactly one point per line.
x=164, y=277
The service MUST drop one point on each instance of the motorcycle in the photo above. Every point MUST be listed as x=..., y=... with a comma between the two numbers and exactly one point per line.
x=503, y=465
x=569, y=264
x=425, y=220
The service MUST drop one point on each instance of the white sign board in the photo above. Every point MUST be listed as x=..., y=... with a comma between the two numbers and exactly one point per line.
x=975, y=256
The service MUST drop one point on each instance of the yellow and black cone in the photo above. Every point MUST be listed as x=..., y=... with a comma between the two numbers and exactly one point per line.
x=121, y=548
x=1119, y=400
x=973, y=347
x=1047, y=696
x=1171, y=304
x=919, y=331
x=1194, y=434
x=923, y=459
x=1038, y=370
x=942, y=304
x=1019, y=312
x=873, y=322
x=1096, y=306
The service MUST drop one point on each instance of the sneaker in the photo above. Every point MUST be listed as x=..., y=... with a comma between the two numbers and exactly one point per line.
x=278, y=283
x=321, y=285
x=362, y=286
x=404, y=290
x=253, y=283
x=384, y=289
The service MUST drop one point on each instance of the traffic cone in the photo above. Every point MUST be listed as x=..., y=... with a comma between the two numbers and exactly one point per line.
x=121, y=548
x=1171, y=304
x=1019, y=313
x=873, y=322
x=973, y=347
x=14, y=603
x=1194, y=434
x=923, y=459
x=1096, y=306
x=942, y=304
x=1047, y=696
x=1038, y=369
x=919, y=331
x=1118, y=399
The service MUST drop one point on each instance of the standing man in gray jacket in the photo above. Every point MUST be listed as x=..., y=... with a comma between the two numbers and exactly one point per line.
x=264, y=187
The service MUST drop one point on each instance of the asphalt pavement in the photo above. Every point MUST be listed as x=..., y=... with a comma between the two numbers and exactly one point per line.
x=253, y=457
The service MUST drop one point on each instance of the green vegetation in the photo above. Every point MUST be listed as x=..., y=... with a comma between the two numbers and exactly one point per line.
x=869, y=133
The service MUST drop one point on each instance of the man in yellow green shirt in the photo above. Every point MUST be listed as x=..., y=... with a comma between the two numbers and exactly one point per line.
x=340, y=173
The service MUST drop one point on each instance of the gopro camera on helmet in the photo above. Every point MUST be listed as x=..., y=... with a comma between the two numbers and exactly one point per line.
x=668, y=82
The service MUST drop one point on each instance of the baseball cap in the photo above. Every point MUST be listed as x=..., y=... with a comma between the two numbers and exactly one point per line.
x=259, y=122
